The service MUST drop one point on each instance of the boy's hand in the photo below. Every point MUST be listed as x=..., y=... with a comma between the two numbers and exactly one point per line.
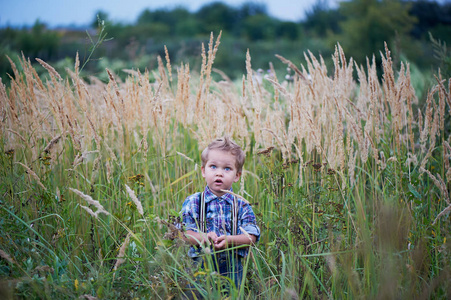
x=220, y=243
x=212, y=236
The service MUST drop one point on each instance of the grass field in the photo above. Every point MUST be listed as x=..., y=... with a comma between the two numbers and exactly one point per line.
x=349, y=180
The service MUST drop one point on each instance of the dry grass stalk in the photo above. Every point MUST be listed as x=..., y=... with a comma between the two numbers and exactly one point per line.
x=351, y=166
x=447, y=158
x=162, y=72
x=120, y=257
x=94, y=132
x=14, y=67
x=52, y=143
x=116, y=89
x=49, y=68
x=432, y=132
x=87, y=296
x=27, y=69
x=33, y=174
x=442, y=213
x=184, y=156
x=95, y=203
x=6, y=257
x=135, y=200
x=279, y=141
x=200, y=91
x=382, y=160
x=319, y=110
x=168, y=63
x=108, y=170
x=340, y=138
x=439, y=183
x=152, y=187
x=112, y=155
x=19, y=135
x=442, y=96
x=143, y=146
x=211, y=57
x=95, y=168
x=77, y=65
x=3, y=96
x=293, y=67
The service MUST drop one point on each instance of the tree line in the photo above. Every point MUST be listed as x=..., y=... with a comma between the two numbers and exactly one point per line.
x=360, y=26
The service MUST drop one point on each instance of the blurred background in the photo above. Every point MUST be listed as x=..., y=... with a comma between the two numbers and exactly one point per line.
x=131, y=34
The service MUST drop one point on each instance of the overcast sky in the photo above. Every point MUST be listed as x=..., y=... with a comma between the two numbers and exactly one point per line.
x=82, y=12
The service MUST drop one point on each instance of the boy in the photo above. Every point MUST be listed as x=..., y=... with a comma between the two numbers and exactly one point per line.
x=222, y=163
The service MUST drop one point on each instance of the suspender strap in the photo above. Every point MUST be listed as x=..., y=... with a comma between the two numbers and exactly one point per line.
x=202, y=215
x=202, y=218
x=234, y=216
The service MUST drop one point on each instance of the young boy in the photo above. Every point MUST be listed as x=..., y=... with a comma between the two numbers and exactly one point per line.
x=222, y=163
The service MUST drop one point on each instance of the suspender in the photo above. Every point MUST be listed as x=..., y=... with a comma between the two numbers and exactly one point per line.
x=202, y=218
x=202, y=214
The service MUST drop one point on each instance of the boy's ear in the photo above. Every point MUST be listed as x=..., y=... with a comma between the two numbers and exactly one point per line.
x=203, y=171
x=237, y=176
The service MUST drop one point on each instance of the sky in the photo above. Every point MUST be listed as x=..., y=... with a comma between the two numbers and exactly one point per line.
x=82, y=12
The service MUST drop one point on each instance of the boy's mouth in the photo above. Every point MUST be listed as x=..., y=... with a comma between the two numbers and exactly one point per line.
x=218, y=181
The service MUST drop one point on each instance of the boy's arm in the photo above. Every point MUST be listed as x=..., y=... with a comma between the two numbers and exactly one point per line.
x=190, y=215
x=225, y=241
x=199, y=238
x=195, y=238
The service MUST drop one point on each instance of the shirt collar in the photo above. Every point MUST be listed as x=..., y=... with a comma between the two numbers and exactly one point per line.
x=209, y=196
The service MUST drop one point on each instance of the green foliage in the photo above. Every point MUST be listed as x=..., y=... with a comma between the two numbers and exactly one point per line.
x=259, y=27
x=369, y=23
x=215, y=17
x=443, y=55
x=321, y=20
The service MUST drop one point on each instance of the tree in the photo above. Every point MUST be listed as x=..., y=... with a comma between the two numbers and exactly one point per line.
x=250, y=8
x=432, y=17
x=260, y=27
x=216, y=16
x=321, y=19
x=370, y=23
x=38, y=42
x=288, y=30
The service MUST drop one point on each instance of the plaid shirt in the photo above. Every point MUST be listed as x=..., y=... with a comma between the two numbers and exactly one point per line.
x=219, y=216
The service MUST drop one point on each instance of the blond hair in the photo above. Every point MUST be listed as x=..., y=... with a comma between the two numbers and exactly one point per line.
x=228, y=145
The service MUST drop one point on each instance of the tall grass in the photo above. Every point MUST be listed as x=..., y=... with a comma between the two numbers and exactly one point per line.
x=349, y=180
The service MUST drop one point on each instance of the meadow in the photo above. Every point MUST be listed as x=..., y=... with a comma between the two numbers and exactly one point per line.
x=348, y=173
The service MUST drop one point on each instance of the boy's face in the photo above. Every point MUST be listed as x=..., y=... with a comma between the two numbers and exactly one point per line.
x=220, y=171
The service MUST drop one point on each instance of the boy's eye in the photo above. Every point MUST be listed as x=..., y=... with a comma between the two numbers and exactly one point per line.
x=213, y=167
x=227, y=169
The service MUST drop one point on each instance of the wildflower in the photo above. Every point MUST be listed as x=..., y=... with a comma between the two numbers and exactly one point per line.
x=45, y=159
x=10, y=153
x=317, y=167
x=137, y=179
